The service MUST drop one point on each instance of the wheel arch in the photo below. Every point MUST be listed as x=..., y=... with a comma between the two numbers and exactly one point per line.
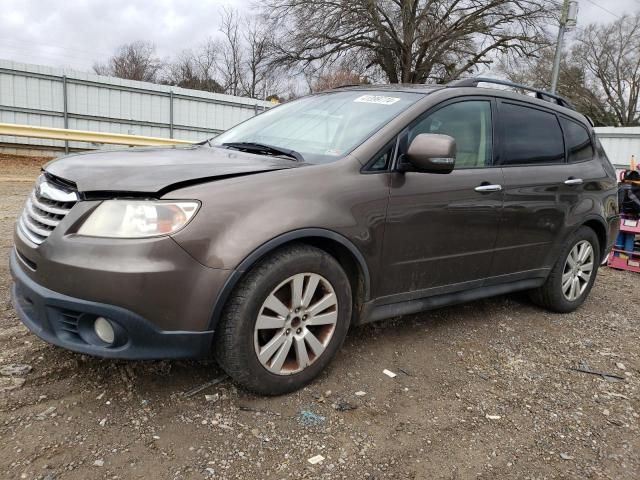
x=335, y=244
x=599, y=227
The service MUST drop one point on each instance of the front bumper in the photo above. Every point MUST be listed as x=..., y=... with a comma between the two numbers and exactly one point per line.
x=67, y=322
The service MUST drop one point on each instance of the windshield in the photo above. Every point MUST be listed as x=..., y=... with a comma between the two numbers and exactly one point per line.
x=322, y=128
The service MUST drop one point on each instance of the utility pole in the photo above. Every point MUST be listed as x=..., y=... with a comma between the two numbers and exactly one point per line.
x=568, y=20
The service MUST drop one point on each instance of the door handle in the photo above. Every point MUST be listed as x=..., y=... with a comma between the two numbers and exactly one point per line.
x=488, y=188
x=573, y=181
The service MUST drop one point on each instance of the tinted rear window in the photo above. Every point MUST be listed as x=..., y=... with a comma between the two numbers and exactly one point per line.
x=529, y=136
x=578, y=141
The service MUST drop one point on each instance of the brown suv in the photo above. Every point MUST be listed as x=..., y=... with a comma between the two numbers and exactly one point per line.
x=267, y=242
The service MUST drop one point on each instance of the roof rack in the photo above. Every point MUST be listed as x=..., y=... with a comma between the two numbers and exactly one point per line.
x=540, y=94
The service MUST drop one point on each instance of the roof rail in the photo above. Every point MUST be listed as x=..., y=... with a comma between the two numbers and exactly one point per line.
x=540, y=94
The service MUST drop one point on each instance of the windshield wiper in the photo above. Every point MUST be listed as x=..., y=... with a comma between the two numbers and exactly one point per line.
x=264, y=149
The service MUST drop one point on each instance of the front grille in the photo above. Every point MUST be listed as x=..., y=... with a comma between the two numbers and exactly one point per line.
x=47, y=205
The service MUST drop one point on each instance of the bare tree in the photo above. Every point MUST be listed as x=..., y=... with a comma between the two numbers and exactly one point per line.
x=611, y=55
x=196, y=69
x=410, y=41
x=258, y=79
x=133, y=61
x=337, y=78
x=574, y=83
x=231, y=54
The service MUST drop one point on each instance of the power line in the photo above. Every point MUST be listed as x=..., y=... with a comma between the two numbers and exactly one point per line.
x=592, y=2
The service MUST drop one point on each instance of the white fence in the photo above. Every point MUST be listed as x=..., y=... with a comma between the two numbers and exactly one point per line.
x=47, y=97
x=620, y=143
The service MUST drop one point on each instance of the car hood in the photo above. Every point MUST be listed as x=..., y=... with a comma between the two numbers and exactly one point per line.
x=154, y=170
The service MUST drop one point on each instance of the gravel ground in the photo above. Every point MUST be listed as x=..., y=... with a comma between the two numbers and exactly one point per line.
x=484, y=390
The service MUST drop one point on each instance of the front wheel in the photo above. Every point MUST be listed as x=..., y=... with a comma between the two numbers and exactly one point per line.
x=285, y=321
x=573, y=274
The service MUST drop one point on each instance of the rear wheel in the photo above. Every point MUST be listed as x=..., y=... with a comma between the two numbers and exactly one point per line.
x=573, y=274
x=285, y=321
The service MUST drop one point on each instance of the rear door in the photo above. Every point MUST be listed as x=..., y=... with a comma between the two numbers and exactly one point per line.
x=541, y=188
x=441, y=228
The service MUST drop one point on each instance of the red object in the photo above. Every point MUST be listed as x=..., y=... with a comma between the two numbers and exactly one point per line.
x=624, y=259
x=631, y=262
x=630, y=224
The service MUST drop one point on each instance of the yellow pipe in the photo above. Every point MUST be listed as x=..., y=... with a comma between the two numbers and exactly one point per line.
x=85, y=136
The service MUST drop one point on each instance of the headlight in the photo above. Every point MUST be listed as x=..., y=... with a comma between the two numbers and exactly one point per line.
x=138, y=218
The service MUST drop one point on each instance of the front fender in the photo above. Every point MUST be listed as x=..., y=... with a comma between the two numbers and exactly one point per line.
x=239, y=216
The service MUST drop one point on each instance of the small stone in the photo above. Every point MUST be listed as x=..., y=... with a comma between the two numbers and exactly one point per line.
x=15, y=370
x=620, y=366
x=156, y=437
x=315, y=459
x=389, y=373
x=605, y=412
x=212, y=398
x=343, y=406
x=98, y=463
x=11, y=383
x=493, y=417
x=47, y=412
x=360, y=393
x=103, y=422
x=566, y=456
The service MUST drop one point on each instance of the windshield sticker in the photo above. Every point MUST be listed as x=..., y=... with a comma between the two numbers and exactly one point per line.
x=379, y=99
x=333, y=152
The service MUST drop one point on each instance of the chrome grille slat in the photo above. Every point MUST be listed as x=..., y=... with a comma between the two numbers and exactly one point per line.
x=33, y=226
x=47, y=208
x=52, y=222
x=42, y=214
x=28, y=233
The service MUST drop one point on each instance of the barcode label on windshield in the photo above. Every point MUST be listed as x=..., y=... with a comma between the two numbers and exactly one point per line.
x=379, y=99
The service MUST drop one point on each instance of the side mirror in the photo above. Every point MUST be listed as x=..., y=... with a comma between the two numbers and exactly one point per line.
x=432, y=152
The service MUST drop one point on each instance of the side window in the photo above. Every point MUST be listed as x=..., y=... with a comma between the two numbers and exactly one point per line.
x=578, y=141
x=529, y=136
x=469, y=123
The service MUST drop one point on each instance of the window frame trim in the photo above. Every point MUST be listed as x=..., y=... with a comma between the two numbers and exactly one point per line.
x=398, y=165
x=501, y=133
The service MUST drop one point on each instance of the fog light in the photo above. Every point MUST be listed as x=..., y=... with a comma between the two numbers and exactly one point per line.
x=104, y=330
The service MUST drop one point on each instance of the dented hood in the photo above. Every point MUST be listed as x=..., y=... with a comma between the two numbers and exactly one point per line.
x=153, y=170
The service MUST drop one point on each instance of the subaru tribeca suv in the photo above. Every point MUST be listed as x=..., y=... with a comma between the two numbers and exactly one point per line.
x=266, y=243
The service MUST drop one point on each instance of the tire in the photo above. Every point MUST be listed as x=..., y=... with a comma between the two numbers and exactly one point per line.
x=248, y=326
x=551, y=295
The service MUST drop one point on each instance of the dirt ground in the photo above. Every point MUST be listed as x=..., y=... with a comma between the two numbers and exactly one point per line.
x=484, y=390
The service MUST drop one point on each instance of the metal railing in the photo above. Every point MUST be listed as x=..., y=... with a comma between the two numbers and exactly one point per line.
x=14, y=130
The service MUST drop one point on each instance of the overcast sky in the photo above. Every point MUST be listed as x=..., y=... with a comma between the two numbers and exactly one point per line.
x=76, y=33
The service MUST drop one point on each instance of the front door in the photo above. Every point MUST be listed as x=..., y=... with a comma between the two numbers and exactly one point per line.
x=441, y=228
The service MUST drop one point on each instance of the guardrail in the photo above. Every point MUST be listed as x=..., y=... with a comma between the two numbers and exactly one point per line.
x=85, y=136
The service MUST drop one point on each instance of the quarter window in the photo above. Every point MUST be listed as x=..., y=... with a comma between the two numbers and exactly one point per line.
x=578, y=141
x=529, y=136
x=469, y=123
x=382, y=160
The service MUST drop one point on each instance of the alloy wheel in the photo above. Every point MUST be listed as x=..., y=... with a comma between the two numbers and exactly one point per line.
x=577, y=271
x=295, y=323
